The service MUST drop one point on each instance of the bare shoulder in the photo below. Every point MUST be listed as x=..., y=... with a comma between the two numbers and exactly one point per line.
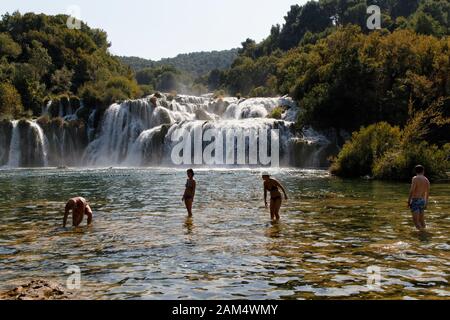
x=81, y=199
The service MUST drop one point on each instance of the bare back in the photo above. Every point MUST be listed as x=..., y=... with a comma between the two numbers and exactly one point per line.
x=79, y=207
x=420, y=188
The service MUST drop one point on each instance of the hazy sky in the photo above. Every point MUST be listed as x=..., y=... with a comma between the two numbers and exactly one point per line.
x=164, y=28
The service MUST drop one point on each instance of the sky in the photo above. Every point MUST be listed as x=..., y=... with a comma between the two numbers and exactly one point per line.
x=155, y=29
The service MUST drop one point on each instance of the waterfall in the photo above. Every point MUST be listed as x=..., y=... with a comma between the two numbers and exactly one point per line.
x=141, y=132
x=28, y=146
x=14, y=148
x=42, y=143
x=164, y=130
x=25, y=143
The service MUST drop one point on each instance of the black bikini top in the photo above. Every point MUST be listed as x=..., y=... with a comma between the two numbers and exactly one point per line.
x=189, y=183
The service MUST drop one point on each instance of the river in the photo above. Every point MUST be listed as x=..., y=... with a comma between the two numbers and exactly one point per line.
x=142, y=246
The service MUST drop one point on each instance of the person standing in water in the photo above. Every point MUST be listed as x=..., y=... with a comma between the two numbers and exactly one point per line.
x=189, y=192
x=272, y=186
x=79, y=207
x=418, y=197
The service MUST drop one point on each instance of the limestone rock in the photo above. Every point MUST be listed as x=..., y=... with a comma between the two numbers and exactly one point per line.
x=37, y=290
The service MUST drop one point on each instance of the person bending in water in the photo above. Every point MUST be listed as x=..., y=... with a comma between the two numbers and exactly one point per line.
x=189, y=192
x=418, y=197
x=79, y=207
x=272, y=186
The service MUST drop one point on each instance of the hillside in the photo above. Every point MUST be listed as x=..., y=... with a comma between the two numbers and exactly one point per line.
x=196, y=63
x=42, y=59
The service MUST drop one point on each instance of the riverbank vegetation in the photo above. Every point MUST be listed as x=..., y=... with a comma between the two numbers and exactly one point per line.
x=387, y=152
x=41, y=58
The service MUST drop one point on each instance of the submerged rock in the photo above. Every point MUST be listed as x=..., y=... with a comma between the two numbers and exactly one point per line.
x=38, y=290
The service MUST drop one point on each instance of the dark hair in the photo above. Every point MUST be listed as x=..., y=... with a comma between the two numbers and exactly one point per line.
x=419, y=169
x=191, y=172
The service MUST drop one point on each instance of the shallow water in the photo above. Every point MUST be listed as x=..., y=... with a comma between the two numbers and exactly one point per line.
x=142, y=246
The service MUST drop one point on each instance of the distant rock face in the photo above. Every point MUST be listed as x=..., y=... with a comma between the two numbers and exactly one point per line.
x=37, y=290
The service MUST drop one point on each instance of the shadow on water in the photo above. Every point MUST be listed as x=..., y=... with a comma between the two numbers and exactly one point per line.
x=274, y=229
x=188, y=225
x=423, y=236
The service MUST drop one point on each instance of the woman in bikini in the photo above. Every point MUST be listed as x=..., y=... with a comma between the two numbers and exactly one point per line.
x=189, y=192
x=272, y=186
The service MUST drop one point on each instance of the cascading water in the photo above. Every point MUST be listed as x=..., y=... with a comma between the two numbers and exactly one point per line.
x=41, y=143
x=28, y=145
x=146, y=132
x=14, y=147
x=142, y=132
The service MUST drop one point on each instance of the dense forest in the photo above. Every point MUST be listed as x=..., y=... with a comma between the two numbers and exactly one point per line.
x=346, y=76
x=41, y=59
x=183, y=73
x=196, y=63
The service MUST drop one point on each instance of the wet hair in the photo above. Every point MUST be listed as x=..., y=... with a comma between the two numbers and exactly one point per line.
x=419, y=169
x=190, y=171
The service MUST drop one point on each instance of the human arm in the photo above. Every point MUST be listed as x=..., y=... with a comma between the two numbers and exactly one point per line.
x=265, y=195
x=411, y=191
x=194, y=187
x=66, y=214
x=88, y=212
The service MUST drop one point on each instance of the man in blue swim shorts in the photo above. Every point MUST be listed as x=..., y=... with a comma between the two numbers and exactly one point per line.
x=418, y=197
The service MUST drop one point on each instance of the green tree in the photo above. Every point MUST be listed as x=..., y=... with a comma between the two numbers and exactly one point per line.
x=358, y=156
x=10, y=101
x=167, y=81
x=61, y=80
x=8, y=47
x=39, y=58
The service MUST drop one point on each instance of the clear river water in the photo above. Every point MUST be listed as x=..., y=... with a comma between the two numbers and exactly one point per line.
x=142, y=246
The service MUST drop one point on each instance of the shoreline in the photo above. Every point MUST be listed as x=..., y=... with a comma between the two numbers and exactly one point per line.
x=37, y=289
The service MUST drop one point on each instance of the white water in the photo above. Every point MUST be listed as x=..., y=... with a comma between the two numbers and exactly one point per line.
x=138, y=133
x=33, y=144
x=130, y=130
x=14, y=149
x=41, y=140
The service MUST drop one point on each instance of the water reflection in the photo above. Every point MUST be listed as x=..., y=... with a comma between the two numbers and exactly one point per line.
x=189, y=225
x=274, y=229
